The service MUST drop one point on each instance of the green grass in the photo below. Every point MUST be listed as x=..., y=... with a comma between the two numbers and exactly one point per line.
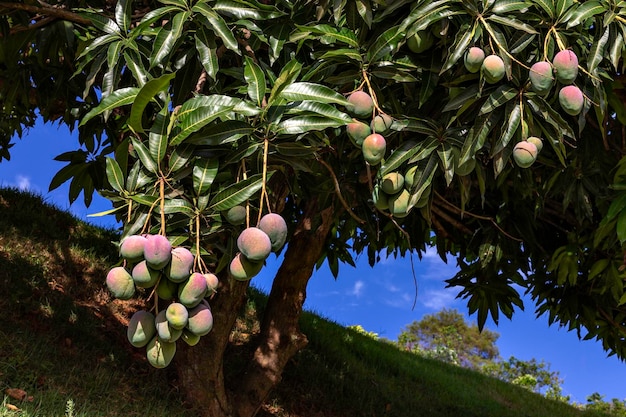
x=62, y=341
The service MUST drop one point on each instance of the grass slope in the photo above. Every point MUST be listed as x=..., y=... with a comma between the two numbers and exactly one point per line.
x=63, y=350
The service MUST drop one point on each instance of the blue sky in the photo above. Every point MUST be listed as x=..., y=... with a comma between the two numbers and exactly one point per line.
x=380, y=299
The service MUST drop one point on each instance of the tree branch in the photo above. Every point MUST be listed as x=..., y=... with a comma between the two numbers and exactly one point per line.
x=47, y=11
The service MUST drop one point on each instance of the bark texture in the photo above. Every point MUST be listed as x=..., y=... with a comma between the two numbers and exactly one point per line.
x=201, y=368
x=280, y=336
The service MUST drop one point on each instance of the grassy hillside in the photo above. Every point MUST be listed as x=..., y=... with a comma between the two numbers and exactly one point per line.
x=63, y=350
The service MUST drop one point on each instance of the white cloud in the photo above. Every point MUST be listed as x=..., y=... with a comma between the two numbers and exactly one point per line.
x=404, y=300
x=438, y=299
x=23, y=183
x=357, y=290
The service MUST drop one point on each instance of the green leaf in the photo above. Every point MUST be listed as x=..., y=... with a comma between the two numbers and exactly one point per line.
x=476, y=136
x=103, y=23
x=446, y=156
x=315, y=92
x=507, y=6
x=597, y=52
x=118, y=98
x=145, y=96
x=245, y=10
x=123, y=11
x=302, y=124
x=547, y=6
x=286, y=77
x=180, y=156
x=204, y=172
x=216, y=23
x=387, y=43
x=620, y=226
x=167, y=38
x=144, y=156
x=512, y=22
x=424, y=176
x=321, y=109
x=460, y=47
x=157, y=139
x=207, y=51
x=135, y=64
x=509, y=129
x=114, y=174
x=561, y=7
x=584, y=11
x=177, y=205
x=502, y=95
x=343, y=53
x=342, y=35
x=221, y=133
x=196, y=120
x=145, y=199
x=237, y=193
x=407, y=150
x=255, y=77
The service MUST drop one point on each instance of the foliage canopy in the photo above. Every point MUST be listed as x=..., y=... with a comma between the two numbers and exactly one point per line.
x=186, y=109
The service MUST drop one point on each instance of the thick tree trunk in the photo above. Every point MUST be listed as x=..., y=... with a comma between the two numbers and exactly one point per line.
x=280, y=336
x=201, y=368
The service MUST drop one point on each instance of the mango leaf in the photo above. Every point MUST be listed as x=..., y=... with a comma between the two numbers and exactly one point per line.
x=460, y=47
x=118, y=98
x=476, y=136
x=561, y=7
x=114, y=175
x=197, y=120
x=145, y=95
x=315, y=92
x=286, y=77
x=255, y=78
x=207, y=51
x=244, y=10
x=145, y=199
x=424, y=9
x=134, y=63
x=424, y=176
x=302, y=124
x=342, y=35
x=144, y=156
x=157, y=139
x=167, y=37
x=512, y=22
x=506, y=6
x=514, y=113
x=180, y=156
x=547, y=6
x=204, y=172
x=343, y=53
x=448, y=163
x=216, y=102
x=103, y=23
x=216, y=23
x=387, y=43
x=502, y=95
x=407, y=150
x=470, y=94
x=123, y=11
x=597, y=52
x=321, y=109
x=584, y=11
x=177, y=205
x=238, y=193
x=221, y=133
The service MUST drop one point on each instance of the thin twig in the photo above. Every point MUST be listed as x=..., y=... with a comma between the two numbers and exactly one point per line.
x=47, y=11
x=338, y=192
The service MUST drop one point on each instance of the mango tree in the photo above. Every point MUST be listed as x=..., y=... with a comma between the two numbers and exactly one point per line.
x=223, y=130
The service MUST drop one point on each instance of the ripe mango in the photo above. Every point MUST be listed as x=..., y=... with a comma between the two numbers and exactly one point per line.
x=474, y=58
x=361, y=104
x=357, y=131
x=254, y=243
x=571, y=100
x=275, y=228
x=144, y=276
x=180, y=265
x=492, y=69
x=242, y=269
x=200, y=320
x=192, y=291
x=524, y=154
x=373, y=148
x=132, y=248
x=176, y=315
x=541, y=78
x=157, y=251
x=120, y=283
x=565, y=66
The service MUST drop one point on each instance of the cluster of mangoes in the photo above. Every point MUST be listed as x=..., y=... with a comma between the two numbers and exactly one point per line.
x=152, y=262
x=525, y=152
x=542, y=75
x=393, y=193
x=255, y=244
x=367, y=136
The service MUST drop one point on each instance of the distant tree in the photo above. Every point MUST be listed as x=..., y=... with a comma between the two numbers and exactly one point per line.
x=532, y=375
x=446, y=335
x=615, y=408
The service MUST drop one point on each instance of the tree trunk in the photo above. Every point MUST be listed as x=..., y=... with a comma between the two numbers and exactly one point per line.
x=280, y=336
x=200, y=368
